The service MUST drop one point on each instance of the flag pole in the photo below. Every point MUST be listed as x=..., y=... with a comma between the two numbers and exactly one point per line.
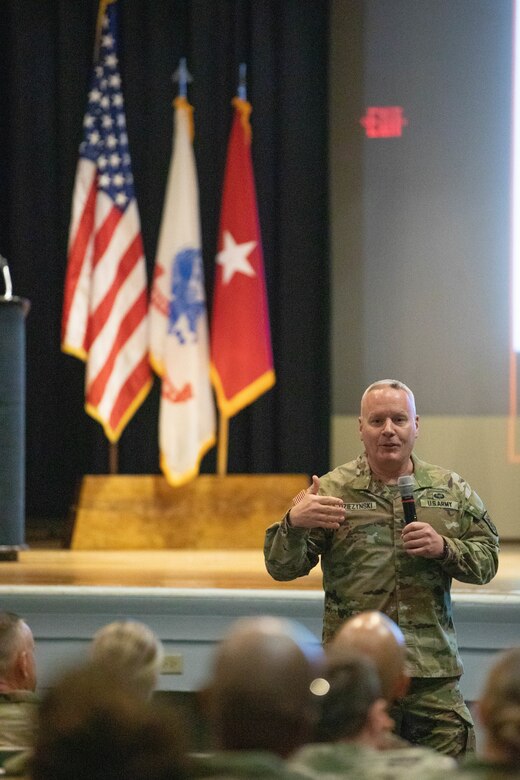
x=183, y=77
x=242, y=81
x=222, y=449
x=223, y=429
x=113, y=457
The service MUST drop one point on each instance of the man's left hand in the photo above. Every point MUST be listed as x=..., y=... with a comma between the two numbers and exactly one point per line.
x=422, y=540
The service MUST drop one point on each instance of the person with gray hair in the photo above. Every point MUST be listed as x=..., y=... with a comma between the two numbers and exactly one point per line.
x=132, y=652
x=18, y=700
x=376, y=557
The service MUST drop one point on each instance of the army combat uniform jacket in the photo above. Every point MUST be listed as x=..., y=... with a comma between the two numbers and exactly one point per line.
x=338, y=760
x=18, y=710
x=366, y=568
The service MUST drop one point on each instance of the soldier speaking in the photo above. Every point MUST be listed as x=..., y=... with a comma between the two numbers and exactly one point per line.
x=353, y=519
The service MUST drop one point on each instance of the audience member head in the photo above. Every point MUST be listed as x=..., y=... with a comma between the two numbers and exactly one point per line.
x=353, y=709
x=91, y=726
x=17, y=661
x=376, y=636
x=132, y=651
x=499, y=709
x=260, y=693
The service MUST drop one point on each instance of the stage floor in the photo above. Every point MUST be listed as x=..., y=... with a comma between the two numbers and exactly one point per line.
x=190, y=597
x=192, y=569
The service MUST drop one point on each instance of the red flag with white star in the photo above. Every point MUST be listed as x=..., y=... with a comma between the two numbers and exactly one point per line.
x=241, y=354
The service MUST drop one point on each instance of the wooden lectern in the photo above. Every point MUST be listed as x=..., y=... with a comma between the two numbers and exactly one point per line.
x=143, y=512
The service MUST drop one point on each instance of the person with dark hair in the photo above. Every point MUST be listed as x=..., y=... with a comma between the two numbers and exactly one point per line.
x=260, y=698
x=18, y=700
x=91, y=727
x=353, y=519
x=352, y=726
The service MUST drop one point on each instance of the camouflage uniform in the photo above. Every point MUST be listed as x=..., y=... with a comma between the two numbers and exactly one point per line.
x=239, y=764
x=478, y=769
x=343, y=759
x=365, y=566
x=18, y=710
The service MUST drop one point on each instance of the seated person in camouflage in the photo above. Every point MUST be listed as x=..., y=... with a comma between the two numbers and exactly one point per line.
x=259, y=701
x=375, y=636
x=92, y=727
x=353, y=519
x=499, y=715
x=18, y=701
x=353, y=724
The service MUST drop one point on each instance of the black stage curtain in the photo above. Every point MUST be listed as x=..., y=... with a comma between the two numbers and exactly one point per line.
x=45, y=59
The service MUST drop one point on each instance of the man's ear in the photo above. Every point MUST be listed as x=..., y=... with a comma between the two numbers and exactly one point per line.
x=378, y=719
x=23, y=664
x=20, y=665
x=360, y=428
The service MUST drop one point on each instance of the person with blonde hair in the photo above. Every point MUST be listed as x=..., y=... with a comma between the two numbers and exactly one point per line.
x=131, y=651
x=498, y=711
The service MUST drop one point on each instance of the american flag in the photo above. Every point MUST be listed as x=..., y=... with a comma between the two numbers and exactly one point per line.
x=105, y=303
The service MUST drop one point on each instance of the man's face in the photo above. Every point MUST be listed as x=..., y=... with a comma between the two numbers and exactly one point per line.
x=388, y=427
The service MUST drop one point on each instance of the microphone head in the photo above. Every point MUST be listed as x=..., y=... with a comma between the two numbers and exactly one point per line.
x=406, y=485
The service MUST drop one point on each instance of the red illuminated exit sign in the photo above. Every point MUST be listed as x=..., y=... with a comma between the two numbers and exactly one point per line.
x=384, y=121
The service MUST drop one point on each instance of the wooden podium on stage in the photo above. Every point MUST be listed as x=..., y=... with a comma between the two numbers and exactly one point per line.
x=143, y=512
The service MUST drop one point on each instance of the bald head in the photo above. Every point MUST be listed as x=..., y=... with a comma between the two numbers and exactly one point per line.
x=260, y=691
x=17, y=661
x=376, y=636
x=394, y=384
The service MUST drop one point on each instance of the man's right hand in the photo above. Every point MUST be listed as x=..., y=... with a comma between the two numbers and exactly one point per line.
x=315, y=511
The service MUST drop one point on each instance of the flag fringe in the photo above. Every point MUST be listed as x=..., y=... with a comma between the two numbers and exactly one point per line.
x=177, y=480
x=244, y=108
x=231, y=406
x=157, y=365
x=81, y=354
x=114, y=434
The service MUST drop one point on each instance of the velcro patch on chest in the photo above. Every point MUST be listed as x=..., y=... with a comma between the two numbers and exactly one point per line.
x=361, y=506
x=439, y=503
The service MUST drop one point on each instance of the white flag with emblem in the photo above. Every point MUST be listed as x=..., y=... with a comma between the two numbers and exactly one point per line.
x=179, y=350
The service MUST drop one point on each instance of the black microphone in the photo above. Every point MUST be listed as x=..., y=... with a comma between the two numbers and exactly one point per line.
x=405, y=485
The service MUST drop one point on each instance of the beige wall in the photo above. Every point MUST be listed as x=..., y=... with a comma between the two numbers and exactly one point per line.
x=420, y=230
x=475, y=447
